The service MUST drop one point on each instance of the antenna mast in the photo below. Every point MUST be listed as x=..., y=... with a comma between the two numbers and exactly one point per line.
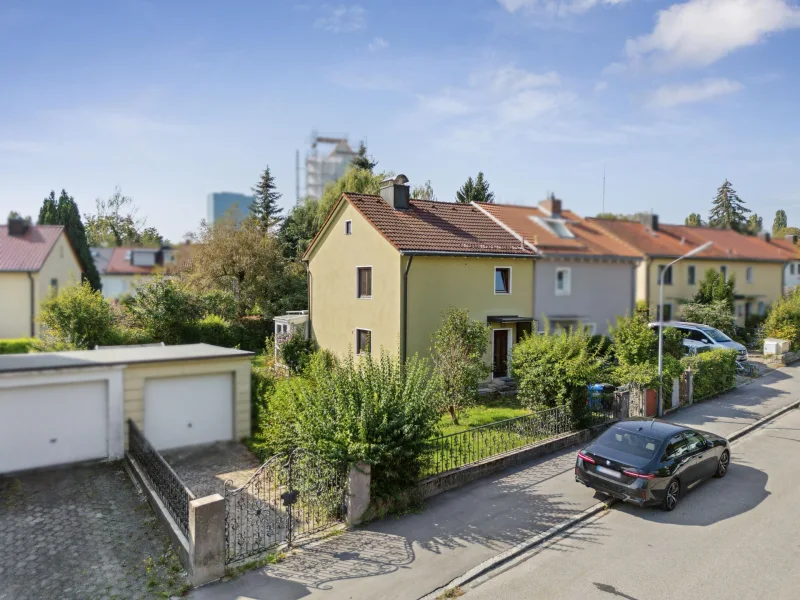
x=604, y=187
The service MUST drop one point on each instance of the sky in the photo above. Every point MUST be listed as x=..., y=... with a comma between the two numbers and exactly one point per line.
x=172, y=100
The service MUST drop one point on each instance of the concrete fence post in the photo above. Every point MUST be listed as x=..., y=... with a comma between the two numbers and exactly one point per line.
x=676, y=392
x=358, y=482
x=207, y=538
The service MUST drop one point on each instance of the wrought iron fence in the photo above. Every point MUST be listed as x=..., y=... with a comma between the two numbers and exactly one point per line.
x=290, y=497
x=475, y=444
x=169, y=487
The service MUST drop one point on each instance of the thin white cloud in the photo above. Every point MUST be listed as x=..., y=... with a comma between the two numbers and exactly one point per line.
x=674, y=95
x=378, y=44
x=701, y=32
x=601, y=86
x=342, y=18
x=561, y=8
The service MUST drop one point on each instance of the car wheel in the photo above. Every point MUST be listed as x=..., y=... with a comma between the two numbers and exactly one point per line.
x=723, y=464
x=672, y=495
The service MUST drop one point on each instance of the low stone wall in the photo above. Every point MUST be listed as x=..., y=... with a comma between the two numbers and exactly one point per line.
x=780, y=360
x=436, y=484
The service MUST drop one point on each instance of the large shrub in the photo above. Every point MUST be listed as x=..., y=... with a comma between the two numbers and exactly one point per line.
x=714, y=372
x=296, y=352
x=636, y=348
x=717, y=314
x=783, y=321
x=17, y=346
x=166, y=309
x=554, y=369
x=250, y=333
x=211, y=329
x=77, y=317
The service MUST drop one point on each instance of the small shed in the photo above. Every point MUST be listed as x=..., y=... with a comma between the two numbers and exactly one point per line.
x=66, y=407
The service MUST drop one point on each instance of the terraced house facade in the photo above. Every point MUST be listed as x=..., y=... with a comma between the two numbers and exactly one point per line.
x=757, y=263
x=384, y=268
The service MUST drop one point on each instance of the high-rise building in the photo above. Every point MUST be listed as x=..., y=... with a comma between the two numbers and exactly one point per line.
x=222, y=204
x=326, y=161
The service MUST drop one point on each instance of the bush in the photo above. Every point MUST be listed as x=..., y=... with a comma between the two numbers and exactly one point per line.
x=250, y=333
x=278, y=415
x=636, y=347
x=296, y=352
x=166, y=309
x=714, y=372
x=211, y=329
x=220, y=303
x=77, y=317
x=554, y=370
x=17, y=346
x=717, y=315
x=783, y=321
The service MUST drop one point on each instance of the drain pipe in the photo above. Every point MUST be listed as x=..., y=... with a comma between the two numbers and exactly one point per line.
x=33, y=306
x=405, y=308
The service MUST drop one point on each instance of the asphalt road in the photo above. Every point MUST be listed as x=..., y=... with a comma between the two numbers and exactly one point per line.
x=738, y=537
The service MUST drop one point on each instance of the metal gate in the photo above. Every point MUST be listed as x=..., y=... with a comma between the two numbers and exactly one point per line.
x=290, y=497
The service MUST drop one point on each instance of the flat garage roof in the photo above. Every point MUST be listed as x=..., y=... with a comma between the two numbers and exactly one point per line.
x=15, y=363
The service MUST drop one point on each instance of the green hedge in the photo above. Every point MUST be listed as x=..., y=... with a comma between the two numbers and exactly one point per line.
x=17, y=346
x=714, y=372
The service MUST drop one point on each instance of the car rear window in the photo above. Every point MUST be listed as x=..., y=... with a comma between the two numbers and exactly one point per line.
x=630, y=442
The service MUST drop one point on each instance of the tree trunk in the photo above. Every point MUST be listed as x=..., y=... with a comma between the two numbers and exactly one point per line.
x=453, y=414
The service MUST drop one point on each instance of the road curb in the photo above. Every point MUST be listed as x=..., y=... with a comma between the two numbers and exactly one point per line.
x=516, y=551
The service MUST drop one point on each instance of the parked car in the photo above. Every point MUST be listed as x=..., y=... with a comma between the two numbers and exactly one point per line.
x=651, y=462
x=702, y=336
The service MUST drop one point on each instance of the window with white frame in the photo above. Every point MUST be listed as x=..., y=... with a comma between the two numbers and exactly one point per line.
x=724, y=272
x=363, y=341
x=348, y=227
x=364, y=282
x=591, y=328
x=563, y=281
x=502, y=280
x=691, y=275
x=748, y=274
x=666, y=274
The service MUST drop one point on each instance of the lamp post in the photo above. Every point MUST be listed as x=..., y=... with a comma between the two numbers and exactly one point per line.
x=661, y=322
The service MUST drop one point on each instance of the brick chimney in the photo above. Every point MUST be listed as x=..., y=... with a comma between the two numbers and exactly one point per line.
x=396, y=192
x=552, y=206
x=18, y=227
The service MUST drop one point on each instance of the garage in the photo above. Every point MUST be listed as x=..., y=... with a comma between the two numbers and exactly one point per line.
x=188, y=410
x=45, y=425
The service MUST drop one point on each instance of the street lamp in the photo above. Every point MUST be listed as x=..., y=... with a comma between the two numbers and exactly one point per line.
x=661, y=322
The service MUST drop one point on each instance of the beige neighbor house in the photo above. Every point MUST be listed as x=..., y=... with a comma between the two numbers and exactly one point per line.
x=383, y=269
x=34, y=260
x=757, y=263
x=128, y=266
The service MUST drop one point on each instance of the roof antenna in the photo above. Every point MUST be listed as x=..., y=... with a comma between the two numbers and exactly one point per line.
x=604, y=187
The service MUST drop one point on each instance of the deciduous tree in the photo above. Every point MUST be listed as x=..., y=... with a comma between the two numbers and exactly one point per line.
x=694, y=220
x=779, y=223
x=299, y=228
x=423, y=192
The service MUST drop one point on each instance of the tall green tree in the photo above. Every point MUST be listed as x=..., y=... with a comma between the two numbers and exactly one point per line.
x=754, y=224
x=714, y=288
x=299, y=228
x=694, y=220
x=476, y=190
x=780, y=223
x=362, y=160
x=115, y=224
x=728, y=210
x=423, y=192
x=265, y=206
x=64, y=211
x=357, y=181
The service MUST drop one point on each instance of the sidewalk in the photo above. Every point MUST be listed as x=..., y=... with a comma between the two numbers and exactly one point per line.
x=407, y=557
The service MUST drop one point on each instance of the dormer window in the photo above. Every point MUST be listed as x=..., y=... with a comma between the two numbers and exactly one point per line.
x=557, y=227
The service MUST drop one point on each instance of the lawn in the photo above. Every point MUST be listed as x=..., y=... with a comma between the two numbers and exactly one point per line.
x=489, y=410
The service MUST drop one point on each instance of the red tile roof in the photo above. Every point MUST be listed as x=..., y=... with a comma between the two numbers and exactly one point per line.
x=589, y=239
x=672, y=241
x=27, y=253
x=119, y=266
x=435, y=227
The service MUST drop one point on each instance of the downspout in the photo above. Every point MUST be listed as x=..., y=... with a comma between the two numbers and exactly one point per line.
x=308, y=301
x=634, y=266
x=648, y=263
x=405, y=309
x=33, y=306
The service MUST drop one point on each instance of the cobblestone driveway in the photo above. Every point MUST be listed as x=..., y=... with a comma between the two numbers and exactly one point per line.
x=205, y=469
x=82, y=533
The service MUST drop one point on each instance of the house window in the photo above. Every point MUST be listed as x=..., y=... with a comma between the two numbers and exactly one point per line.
x=761, y=307
x=54, y=285
x=749, y=274
x=348, y=227
x=740, y=310
x=667, y=312
x=502, y=280
x=791, y=268
x=364, y=276
x=363, y=341
x=665, y=274
x=563, y=281
x=724, y=271
x=691, y=275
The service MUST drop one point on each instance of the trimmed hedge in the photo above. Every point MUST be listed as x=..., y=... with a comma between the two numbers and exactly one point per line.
x=714, y=372
x=17, y=346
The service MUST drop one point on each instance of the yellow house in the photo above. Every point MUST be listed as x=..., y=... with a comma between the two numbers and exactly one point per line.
x=34, y=259
x=756, y=262
x=384, y=268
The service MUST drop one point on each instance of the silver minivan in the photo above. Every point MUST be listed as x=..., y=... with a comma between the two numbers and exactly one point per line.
x=702, y=337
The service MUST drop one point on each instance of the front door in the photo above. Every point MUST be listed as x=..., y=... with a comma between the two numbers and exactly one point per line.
x=500, y=358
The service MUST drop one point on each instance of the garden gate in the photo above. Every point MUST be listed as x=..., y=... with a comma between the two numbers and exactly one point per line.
x=291, y=497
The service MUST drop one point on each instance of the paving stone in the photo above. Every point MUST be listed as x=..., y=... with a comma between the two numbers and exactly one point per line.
x=69, y=534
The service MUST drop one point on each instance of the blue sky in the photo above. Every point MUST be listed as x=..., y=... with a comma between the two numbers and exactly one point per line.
x=173, y=100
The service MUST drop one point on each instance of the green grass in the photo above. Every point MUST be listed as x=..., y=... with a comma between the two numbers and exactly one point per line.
x=488, y=411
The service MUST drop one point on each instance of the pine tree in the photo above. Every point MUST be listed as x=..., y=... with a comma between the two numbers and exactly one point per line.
x=780, y=223
x=728, y=210
x=64, y=211
x=362, y=161
x=265, y=206
x=694, y=220
x=475, y=191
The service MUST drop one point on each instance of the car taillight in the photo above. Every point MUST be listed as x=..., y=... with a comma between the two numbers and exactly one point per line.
x=586, y=458
x=639, y=475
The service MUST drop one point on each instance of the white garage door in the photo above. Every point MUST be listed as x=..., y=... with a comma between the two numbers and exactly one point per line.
x=53, y=424
x=184, y=411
